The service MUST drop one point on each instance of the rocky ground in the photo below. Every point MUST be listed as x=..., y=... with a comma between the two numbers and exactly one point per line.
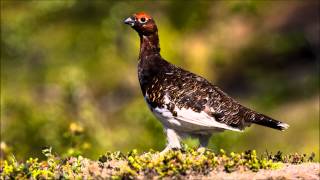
x=307, y=171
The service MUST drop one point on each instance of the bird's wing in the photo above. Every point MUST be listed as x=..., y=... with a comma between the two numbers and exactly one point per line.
x=193, y=100
x=228, y=111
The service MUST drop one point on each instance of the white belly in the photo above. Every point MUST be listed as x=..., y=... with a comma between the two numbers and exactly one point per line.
x=188, y=120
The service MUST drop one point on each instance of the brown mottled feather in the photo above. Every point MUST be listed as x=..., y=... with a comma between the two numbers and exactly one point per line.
x=187, y=90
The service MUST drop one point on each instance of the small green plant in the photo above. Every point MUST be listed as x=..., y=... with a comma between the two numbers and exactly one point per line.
x=117, y=165
x=295, y=158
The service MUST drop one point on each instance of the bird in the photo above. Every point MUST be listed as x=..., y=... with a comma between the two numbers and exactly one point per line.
x=186, y=104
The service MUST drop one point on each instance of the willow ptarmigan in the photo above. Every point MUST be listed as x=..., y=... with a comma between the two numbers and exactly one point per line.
x=185, y=103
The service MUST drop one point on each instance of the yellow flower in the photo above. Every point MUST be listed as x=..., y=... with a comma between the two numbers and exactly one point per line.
x=75, y=128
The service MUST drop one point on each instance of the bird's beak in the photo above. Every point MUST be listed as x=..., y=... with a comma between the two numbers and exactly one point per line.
x=129, y=21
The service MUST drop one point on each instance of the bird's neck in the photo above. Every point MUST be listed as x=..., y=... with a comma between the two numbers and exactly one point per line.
x=149, y=45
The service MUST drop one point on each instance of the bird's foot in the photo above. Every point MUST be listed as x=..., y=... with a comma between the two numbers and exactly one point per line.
x=201, y=150
x=168, y=148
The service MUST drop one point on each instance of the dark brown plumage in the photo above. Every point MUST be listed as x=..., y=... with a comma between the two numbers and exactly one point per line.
x=184, y=102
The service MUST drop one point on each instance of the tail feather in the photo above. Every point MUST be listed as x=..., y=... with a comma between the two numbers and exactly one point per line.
x=269, y=122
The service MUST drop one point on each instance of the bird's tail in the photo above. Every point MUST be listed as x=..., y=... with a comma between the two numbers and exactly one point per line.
x=264, y=120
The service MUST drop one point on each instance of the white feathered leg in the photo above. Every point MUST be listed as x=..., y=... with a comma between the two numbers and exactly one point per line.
x=173, y=140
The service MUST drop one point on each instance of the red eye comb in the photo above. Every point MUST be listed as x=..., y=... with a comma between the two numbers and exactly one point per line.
x=140, y=15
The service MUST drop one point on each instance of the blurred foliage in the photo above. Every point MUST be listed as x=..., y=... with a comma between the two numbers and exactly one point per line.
x=68, y=72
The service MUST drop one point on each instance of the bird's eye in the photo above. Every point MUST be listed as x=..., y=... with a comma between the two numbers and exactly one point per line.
x=143, y=20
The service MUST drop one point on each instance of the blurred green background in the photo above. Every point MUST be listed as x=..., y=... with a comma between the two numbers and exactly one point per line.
x=69, y=72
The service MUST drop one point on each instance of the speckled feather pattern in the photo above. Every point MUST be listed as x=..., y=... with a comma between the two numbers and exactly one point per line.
x=189, y=91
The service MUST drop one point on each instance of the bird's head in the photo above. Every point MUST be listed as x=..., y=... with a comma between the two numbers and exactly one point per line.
x=142, y=23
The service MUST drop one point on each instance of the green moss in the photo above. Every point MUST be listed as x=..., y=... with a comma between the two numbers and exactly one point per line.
x=117, y=165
